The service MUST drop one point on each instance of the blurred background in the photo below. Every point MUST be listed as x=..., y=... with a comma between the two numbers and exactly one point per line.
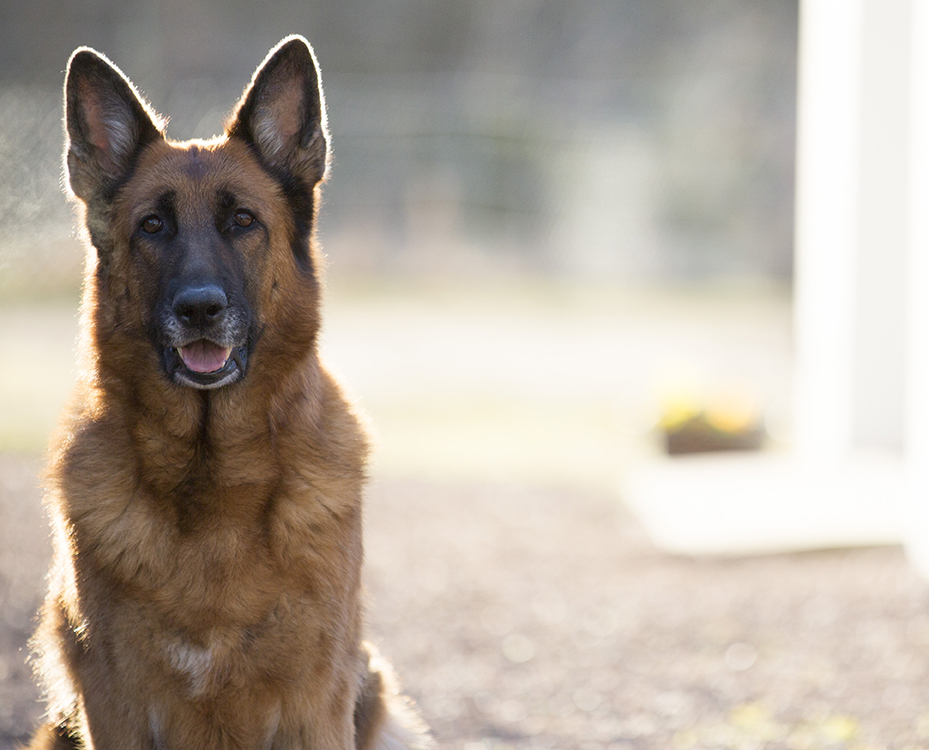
x=560, y=240
x=636, y=140
x=525, y=173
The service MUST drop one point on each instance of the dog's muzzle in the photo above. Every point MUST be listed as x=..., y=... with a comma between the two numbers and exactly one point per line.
x=204, y=341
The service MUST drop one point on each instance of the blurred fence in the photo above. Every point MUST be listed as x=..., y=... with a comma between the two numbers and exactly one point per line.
x=633, y=140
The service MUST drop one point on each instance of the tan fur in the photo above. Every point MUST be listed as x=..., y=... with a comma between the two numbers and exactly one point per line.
x=208, y=549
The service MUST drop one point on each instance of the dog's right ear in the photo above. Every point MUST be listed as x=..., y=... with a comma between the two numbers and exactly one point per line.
x=107, y=124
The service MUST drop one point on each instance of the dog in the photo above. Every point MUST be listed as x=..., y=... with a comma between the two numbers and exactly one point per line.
x=205, y=483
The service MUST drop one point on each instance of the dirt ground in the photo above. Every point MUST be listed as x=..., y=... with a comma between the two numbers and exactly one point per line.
x=538, y=618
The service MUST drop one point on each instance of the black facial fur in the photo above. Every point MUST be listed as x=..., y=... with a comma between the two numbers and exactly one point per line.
x=189, y=262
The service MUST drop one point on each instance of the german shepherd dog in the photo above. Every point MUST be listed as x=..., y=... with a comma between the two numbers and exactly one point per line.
x=205, y=484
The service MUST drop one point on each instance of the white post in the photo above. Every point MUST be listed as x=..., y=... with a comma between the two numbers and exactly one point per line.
x=851, y=227
x=826, y=240
x=917, y=391
x=880, y=300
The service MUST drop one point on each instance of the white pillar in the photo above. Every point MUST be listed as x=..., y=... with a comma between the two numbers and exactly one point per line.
x=851, y=226
x=881, y=285
x=826, y=239
x=917, y=390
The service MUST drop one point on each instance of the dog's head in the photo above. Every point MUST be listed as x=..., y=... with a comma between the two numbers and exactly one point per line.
x=203, y=249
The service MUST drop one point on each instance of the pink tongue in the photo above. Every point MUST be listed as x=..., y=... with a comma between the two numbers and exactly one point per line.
x=204, y=356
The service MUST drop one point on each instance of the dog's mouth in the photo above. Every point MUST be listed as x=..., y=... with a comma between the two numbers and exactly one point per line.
x=204, y=357
x=204, y=364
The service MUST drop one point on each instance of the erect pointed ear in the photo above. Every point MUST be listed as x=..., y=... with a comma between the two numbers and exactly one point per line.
x=107, y=123
x=283, y=113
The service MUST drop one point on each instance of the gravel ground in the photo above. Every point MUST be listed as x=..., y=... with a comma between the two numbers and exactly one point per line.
x=538, y=618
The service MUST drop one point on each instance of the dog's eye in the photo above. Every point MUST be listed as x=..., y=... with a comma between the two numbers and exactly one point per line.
x=151, y=224
x=243, y=218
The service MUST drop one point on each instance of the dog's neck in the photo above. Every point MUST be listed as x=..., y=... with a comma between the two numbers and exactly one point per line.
x=233, y=435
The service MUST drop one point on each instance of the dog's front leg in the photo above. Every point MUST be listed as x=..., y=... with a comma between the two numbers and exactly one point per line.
x=318, y=723
x=76, y=734
x=113, y=723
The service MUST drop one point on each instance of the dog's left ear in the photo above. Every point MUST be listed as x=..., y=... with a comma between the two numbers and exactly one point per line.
x=283, y=113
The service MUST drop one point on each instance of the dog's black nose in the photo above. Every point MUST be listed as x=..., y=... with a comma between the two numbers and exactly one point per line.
x=199, y=306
